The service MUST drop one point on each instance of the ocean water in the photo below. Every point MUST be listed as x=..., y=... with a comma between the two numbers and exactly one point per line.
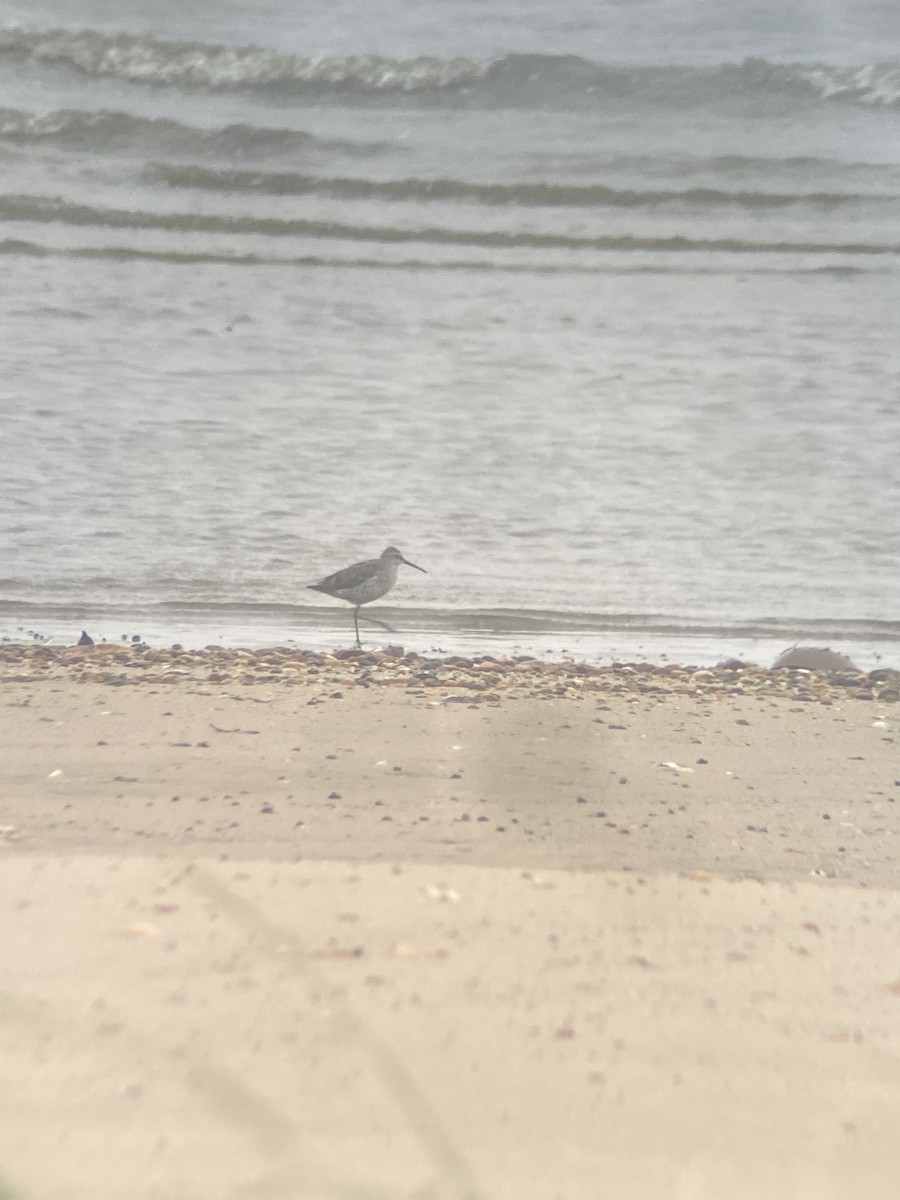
x=590, y=308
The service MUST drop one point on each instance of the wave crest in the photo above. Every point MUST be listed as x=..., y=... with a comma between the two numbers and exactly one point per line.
x=519, y=79
x=48, y=210
x=108, y=130
x=529, y=195
x=140, y=58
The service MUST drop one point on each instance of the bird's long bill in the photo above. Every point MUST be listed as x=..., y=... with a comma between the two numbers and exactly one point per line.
x=409, y=564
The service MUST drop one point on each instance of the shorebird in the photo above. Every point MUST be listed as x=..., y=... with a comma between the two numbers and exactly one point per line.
x=365, y=581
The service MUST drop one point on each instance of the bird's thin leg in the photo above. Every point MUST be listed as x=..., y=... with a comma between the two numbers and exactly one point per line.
x=375, y=621
x=356, y=625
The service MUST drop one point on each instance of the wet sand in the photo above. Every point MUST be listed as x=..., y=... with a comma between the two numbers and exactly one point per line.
x=372, y=925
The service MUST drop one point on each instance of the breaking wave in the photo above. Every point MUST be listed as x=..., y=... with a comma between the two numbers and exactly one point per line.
x=514, y=79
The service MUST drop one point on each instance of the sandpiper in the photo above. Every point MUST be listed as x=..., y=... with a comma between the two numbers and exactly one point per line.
x=365, y=581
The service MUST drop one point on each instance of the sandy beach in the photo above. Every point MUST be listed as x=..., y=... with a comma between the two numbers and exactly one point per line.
x=376, y=925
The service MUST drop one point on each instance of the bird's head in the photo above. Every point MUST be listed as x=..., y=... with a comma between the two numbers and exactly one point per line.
x=393, y=555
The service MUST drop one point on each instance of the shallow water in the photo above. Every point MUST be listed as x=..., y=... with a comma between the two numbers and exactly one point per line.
x=592, y=315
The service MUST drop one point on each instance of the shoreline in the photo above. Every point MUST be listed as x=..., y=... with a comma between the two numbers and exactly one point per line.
x=502, y=633
x=481, y=677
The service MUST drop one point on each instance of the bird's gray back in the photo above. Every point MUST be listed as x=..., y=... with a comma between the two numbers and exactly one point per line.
x=349, y=577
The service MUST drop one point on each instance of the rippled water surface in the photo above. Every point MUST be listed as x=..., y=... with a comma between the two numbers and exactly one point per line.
x=598, y=325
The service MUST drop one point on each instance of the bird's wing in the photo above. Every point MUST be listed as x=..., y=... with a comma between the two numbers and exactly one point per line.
x=350, y=577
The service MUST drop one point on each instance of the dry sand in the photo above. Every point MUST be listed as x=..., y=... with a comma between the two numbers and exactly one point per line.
x=372, y=930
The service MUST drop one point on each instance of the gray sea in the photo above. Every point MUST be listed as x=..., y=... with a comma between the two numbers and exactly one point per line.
x=590, y=308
